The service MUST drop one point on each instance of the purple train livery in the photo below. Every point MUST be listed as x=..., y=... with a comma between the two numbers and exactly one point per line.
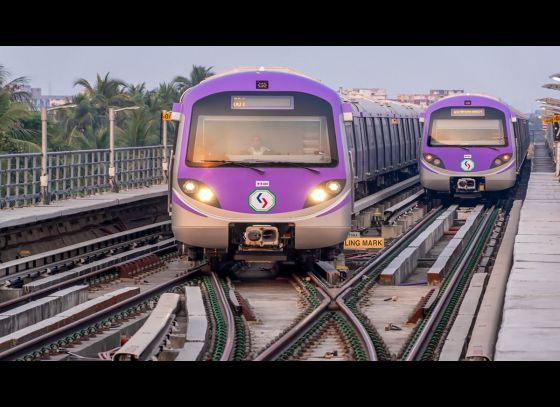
x=262, y=168
x=472, y=145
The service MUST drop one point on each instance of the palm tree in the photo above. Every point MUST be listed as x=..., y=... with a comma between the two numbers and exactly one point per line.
x=197, y=75
x=106, y=92
x=93, y=104
x=137, y=93
x=15, y=88
x=15, y=138
x=140, y=129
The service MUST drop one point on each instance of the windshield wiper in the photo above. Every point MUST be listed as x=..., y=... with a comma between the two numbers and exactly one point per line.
x=493, y=148
x=237, y=163
x=288, y=164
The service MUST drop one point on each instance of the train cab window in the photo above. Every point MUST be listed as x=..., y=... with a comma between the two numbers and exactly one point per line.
x=260, y=129
x=473, y=126
x=380, y=144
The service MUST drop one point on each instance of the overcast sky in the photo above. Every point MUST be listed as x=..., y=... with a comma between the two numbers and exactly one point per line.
x=515, y=74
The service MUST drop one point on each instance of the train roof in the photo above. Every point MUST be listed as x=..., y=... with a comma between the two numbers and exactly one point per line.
x=255, y=69
x=382, y=107
x=517, y=112
x=261, y=69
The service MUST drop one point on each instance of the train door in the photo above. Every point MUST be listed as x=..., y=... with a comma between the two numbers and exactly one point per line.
x=419, y=128
x=408, y=136
x=351, y=148
x=518, y=139
x=359, y=145
x=380, y=144
x=387, y=140
x=403, y=142
x=394, y=142
x=411, y=139
x=371, y=146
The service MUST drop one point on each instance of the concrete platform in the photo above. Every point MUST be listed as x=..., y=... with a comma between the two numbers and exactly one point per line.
x=530, y=328
x=30, y=214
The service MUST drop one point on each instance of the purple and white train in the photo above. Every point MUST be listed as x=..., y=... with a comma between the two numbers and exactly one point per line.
x=267, y=161
x=472, y=145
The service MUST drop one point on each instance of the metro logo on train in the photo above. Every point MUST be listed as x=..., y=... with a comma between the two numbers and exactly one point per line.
x=262, y=200
x=467, y=165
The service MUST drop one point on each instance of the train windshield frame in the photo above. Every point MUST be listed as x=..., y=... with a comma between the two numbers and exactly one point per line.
x=224, y=135
x=475, y=126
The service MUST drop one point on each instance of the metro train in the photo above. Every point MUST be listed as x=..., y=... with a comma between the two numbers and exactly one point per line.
x=473, y=145
x=268, y=163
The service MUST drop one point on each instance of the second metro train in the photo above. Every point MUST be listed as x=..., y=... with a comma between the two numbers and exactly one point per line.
x=472, y=145
x=267, y=163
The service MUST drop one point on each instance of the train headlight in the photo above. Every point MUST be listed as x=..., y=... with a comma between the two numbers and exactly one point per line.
x=199, y=191
x=205, y=195
x=189, y=186
x=324, y=191
x=501, y=160
x=434, y=160
x=333, y=186
x=318, y=195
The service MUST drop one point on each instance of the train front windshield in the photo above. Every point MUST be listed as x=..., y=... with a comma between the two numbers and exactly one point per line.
x=262, y=129
x=476, y=126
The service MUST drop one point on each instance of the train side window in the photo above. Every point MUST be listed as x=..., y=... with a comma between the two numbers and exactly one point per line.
x=387, y=139
x=380, y=144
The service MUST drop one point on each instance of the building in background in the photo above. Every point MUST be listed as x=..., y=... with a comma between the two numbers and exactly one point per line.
x=39, y=100
x=425, y=99
x=371, y=93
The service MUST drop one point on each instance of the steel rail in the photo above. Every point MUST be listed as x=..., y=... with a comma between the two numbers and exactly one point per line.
x=383, y=255
x=43, y=340
x=296, y=331
x=44, y=257
x=398, y=209
x=360, y=330
x=384, y=194
x=159, y=247
x=435, y=316
x=226, y=308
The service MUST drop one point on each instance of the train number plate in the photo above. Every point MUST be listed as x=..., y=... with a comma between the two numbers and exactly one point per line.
x=357, y=243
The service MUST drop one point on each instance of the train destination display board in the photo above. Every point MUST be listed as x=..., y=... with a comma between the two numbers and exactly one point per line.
x=466, y=112
x=357, y=243
x=262, y=102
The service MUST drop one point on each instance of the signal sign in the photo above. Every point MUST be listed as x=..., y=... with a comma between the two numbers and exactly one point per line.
x=357, y=243
x=166, y=116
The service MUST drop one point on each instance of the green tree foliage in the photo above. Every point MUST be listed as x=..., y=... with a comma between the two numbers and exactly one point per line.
x=86, y=125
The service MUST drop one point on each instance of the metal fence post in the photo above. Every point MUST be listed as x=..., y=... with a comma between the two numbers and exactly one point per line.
x=44, y=176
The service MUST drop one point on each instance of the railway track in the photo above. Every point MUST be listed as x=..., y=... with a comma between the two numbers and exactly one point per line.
x=18, y=273
x=301, y=315
x=75, y=331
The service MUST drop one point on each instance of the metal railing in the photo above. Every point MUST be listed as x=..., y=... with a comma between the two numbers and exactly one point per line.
x=76, y=173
